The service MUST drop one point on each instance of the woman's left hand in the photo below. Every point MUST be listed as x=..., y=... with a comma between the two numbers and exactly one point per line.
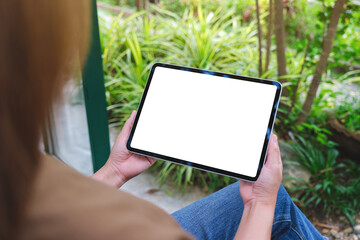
x=123, y=165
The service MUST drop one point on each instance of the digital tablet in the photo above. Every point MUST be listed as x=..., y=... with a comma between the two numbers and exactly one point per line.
x=212, y=121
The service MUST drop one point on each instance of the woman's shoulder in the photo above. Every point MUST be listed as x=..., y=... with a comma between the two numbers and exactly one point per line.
x=67, y=205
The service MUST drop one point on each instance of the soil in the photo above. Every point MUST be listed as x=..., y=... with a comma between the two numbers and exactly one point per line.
x=336, y=226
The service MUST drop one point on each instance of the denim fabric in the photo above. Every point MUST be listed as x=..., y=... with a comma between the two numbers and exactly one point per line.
x=218, y=216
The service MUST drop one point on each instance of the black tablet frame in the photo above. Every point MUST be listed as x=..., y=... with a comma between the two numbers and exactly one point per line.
x=200, y=166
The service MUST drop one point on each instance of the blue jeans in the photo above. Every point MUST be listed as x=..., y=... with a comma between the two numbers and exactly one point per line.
x=218, y=216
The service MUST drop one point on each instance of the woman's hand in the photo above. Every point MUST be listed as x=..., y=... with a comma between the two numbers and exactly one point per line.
x=267, y=185
x=259, y=198
x=123, y=165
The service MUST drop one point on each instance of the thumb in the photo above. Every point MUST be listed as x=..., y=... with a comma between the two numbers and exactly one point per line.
x=273, y=155
x=124, y=134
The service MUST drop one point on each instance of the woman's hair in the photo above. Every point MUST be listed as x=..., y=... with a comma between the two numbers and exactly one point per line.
x=40, y=41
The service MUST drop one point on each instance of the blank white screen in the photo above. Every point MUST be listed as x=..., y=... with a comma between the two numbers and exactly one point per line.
x=214, y=121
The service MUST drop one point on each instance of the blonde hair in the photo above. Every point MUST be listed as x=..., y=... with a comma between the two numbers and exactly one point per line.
x=39, y=42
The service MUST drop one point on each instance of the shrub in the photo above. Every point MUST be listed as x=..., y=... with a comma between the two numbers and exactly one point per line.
x=219, y=40
x=333, y=184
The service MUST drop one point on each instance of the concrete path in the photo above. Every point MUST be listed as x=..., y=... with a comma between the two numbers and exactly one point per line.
x=168, y=198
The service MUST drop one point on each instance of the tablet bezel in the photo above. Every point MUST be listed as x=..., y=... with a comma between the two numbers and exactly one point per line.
x=200, y=166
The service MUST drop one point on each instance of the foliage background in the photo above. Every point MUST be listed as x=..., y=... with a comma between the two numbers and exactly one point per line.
x=222, y=36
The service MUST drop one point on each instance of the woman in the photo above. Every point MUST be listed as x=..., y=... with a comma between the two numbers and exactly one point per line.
x=41, y=198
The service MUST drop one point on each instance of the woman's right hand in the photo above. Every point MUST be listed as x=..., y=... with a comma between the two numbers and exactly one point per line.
x=265, y=189
x=259, y=197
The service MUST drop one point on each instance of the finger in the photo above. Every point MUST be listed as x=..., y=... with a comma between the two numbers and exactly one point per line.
x=124, y=134
x=128, y=124
x=273, y=155
x=151, y=160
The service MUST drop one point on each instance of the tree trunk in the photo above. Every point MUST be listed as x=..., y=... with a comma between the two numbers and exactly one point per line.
x=321, y=65
x=348, y=141
x=280, y=42
x=138, y=4
x=259, y=37
x=268, y=40
x=141, y=4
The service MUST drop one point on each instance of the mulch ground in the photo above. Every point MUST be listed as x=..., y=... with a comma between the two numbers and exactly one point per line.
x=336, y=226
